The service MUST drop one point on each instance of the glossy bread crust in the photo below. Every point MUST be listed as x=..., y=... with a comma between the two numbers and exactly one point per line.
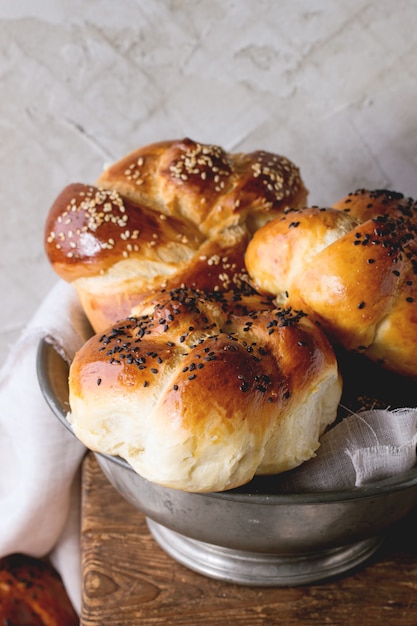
x=171, y=213
x=206, y=390
x=352, y=268
x=32, y=594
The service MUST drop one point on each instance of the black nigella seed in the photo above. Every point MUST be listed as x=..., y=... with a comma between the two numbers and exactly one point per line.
x=145, y=383
x=192, y=376
x=154, y=370
x=98, y=381
x=361, y=305
x=287, y=395
x=410, y=299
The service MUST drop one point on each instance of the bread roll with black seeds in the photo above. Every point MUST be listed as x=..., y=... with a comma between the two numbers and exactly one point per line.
x=206, y=390
x=352, y=268
x=32, y=594
x=169, y=214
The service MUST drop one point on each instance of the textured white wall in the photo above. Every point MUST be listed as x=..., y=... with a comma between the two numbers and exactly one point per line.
x=332, y=85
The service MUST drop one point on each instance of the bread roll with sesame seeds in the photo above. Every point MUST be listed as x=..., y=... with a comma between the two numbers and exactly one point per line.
x=352, y=268
x=169, y=214
x=206, y=390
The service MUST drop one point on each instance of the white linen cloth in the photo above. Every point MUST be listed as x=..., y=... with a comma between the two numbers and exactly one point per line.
x=40, y=459
x=363, y=448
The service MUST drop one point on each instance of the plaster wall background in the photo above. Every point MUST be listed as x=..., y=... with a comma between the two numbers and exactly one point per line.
x=332, y=85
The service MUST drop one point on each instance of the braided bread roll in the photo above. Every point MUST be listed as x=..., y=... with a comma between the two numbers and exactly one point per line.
x=32, y=594
x=352, y=268
x=206, y=390
x=169, y=214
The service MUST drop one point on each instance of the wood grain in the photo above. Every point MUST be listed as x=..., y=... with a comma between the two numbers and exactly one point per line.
x=128, y=579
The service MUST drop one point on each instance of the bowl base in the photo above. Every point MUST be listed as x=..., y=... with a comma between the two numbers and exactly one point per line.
x=259, y=569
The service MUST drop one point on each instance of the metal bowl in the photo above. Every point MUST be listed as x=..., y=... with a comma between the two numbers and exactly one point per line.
x=251, y=535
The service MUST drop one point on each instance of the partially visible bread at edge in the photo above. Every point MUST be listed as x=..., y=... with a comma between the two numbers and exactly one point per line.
x=32, y=593
x=169, y=214
x=352, y=268
x=206, y=390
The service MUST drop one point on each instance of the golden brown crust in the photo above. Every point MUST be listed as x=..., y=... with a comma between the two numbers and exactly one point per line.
x=353, y=271
x=89, y=229
x=206, y=185
x=32, y=594
x=159, y=216
x=206, y=390
x=364, y=204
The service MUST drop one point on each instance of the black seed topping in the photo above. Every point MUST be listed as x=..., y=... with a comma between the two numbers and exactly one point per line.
x=127, y=340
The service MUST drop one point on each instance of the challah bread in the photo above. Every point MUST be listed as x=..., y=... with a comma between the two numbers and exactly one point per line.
x=168, y=212
x=32, y=594
x=352, y=270
x=206, y=389
x=365, y=204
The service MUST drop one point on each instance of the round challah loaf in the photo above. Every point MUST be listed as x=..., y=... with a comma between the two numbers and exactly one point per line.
x=206, y=390
x=352, y=268
x=169, y=214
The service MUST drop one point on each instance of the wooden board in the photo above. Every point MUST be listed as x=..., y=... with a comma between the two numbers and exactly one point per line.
x=128, y=579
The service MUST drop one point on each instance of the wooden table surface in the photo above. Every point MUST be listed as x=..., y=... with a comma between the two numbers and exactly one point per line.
x=128, y=579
